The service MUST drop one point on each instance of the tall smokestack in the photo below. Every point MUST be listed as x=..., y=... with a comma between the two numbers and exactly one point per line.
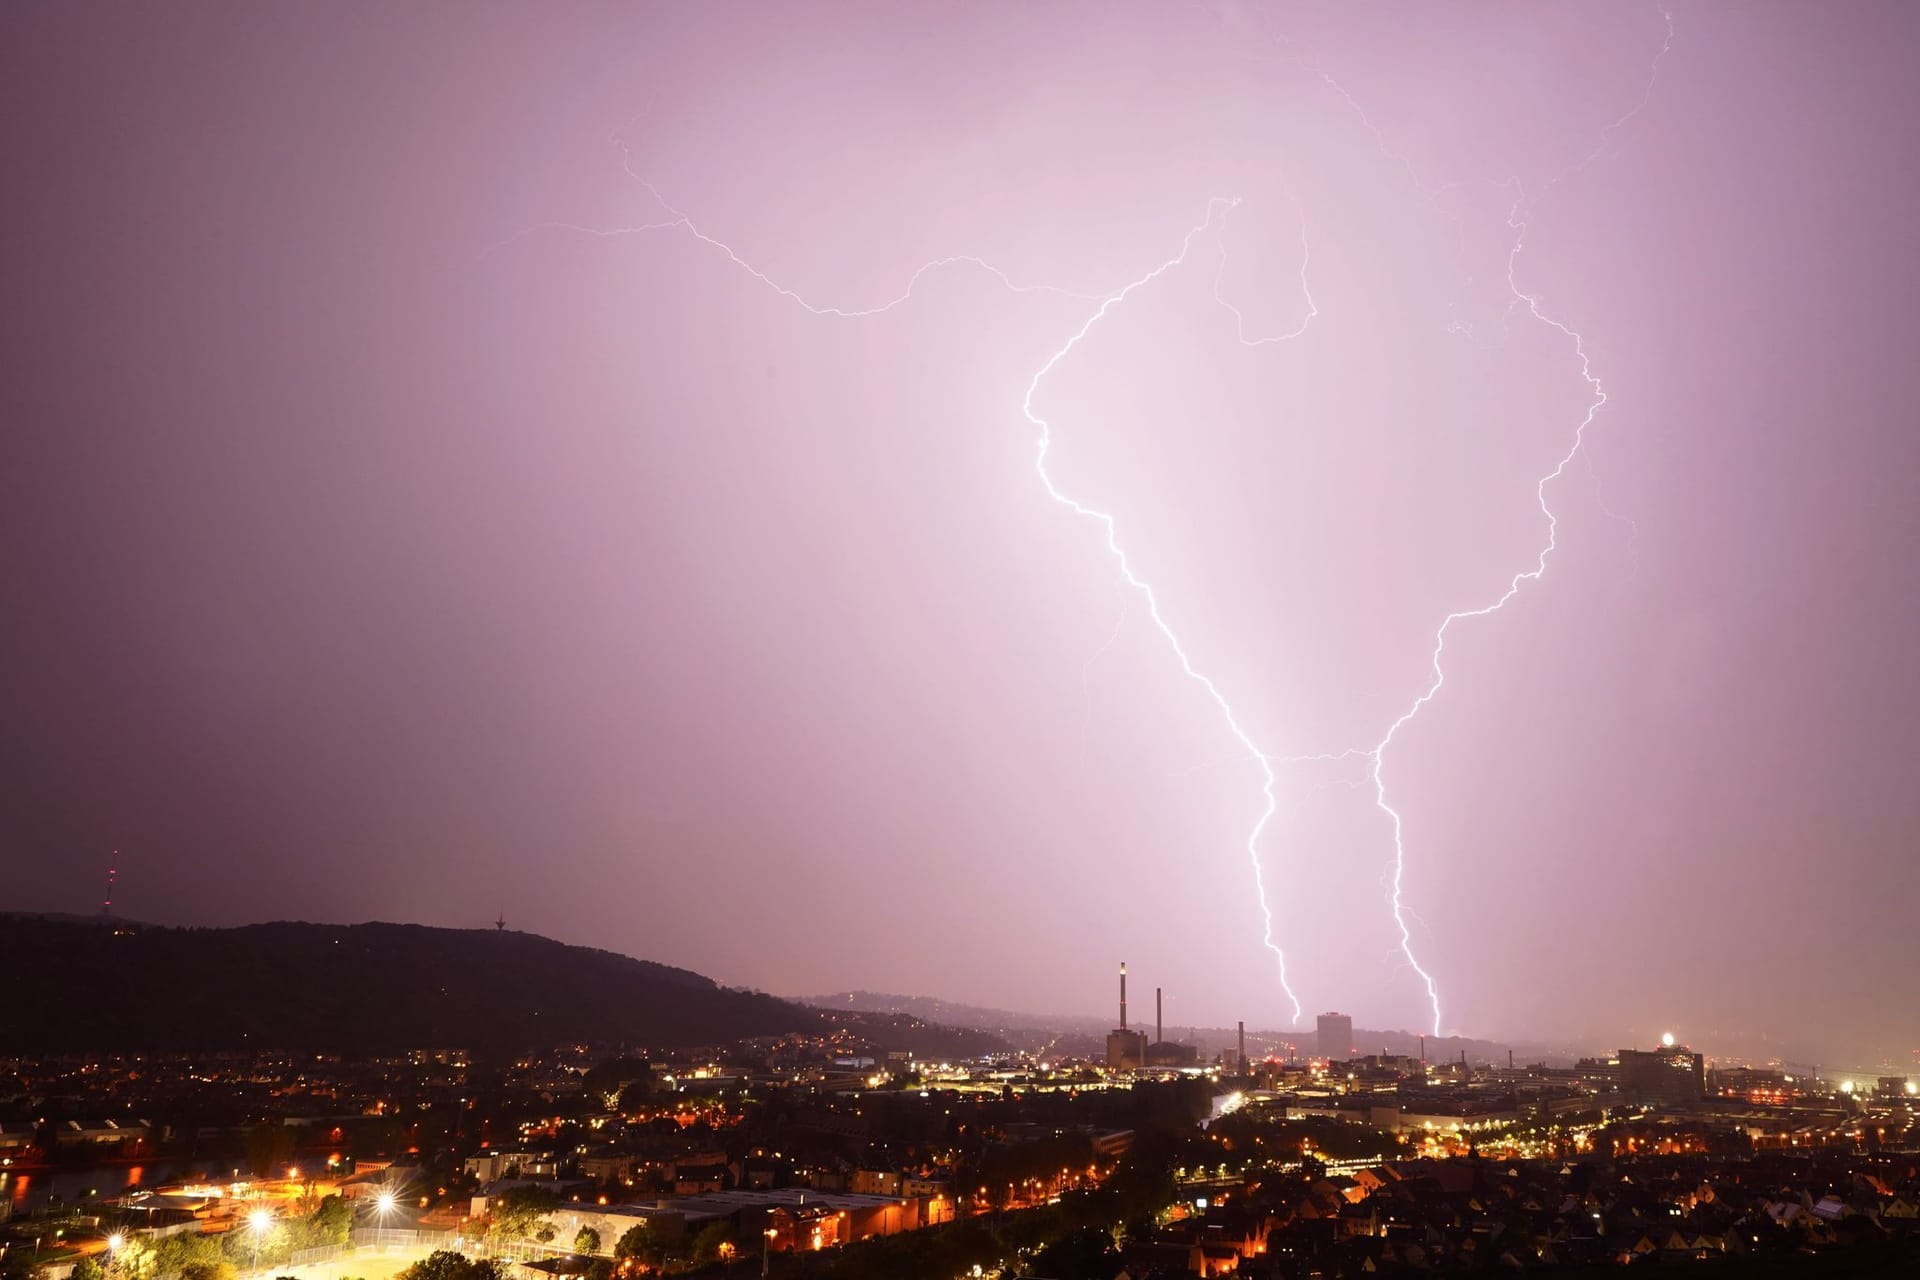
x=1423, y=1051
x=1157, y=1036
x=1123, y=995
x=1509, y=1059
x=1243, y=1048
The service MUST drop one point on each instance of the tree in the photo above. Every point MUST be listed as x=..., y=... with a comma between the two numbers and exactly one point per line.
x=195, y=1257
x=330, y=1223
x=134, y=1261
x=445, y=1264
x=707, y=1246
x=516, y=1214
x=1087, y=1254
x=87, y=1269
x=641, y=1243
x=588, y=1241
x=269, y=1147
x=608, y=1080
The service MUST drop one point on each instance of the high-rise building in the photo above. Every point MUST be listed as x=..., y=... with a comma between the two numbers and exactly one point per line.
x=1667, y=1074
x=1336, y=1037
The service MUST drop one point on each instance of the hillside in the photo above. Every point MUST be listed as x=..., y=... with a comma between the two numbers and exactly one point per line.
x=1081, y=1033
x=955, y=1014
x=369, y=987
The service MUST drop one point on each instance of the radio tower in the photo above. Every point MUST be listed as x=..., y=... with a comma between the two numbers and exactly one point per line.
x=113, y=873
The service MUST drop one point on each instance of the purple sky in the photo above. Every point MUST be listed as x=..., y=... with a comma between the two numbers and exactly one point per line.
x=376, y=548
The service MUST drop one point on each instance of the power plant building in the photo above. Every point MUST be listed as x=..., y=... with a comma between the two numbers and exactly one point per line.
x=1336, y=1036
x=1164, y=1052
x=1130, y=1050
x=1126, y=1050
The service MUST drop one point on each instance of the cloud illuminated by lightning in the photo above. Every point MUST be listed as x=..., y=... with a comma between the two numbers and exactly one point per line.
x=1213, y=220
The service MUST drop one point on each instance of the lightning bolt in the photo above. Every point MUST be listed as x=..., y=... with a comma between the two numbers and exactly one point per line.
x=1517, y=216
x=1306, y=289
x=1439, y=676
x=1217, y=207
x=1213, y=220
x=682, y=222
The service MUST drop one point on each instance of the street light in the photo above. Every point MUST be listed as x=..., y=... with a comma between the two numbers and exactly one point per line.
x=114, y=1242
x=259, y=1220
x=766, y=1254
x=383, y=1205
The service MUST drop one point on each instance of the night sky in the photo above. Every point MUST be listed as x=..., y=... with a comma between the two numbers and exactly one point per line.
x=449, y=468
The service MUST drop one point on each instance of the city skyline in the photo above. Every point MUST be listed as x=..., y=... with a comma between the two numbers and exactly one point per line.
x=962, y=497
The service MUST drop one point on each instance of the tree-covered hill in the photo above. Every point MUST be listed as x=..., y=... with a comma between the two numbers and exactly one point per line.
x=105, y=985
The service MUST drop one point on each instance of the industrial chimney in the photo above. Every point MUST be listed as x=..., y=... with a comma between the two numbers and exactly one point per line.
x=1157, y=1036
x=1243, y=1049
x=1123, y=995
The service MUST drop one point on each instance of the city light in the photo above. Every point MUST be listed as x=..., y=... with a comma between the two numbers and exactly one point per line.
x=384, y=1203
x=114, y=1242
x=259, y=1220
x=1667, y=1039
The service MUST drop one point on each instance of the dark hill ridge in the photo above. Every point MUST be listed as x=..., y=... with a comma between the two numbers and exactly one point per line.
x=108, y=985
